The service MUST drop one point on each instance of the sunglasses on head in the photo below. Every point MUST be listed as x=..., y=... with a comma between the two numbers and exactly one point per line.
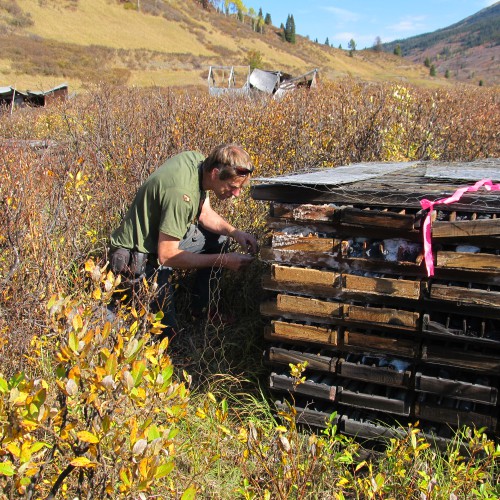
x=243, y=170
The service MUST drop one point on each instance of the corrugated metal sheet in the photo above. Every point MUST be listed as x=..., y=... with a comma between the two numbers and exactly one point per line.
x=464, y=173
x=340, y=175
x=265, y=81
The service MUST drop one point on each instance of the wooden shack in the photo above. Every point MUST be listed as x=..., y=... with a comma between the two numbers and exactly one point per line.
x=12, y=97
x=386, y=338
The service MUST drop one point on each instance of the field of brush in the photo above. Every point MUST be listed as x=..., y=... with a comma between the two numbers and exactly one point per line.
x=95, y=409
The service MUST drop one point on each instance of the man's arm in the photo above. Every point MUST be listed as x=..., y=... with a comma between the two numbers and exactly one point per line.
x=169, y=254
x=212, y=221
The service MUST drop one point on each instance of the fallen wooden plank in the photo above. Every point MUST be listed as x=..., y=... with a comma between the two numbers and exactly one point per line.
x=465, y=296
x=382, y=286
x=466, y=228
x=306, y=333
x=314, y=361
x=377, y=343
x=387, y=316
x=469, y=261
x=304, y=275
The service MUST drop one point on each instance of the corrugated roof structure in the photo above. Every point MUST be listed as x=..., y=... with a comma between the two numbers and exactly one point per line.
x=11, y=95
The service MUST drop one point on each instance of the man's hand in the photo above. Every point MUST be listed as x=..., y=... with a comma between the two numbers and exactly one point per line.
x=246, y=241
x=236, y=261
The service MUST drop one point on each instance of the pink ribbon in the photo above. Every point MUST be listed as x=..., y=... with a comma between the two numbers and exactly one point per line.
x=427, y=204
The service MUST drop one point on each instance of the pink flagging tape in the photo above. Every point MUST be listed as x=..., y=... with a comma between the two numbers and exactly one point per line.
x=427, y=204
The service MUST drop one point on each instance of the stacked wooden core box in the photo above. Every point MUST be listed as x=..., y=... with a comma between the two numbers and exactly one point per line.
x=349, y=292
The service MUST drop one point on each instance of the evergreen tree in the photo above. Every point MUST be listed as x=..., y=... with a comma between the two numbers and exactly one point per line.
x=282, y=32
x=447, y=73
x=267, y=19
x=427, y=62
x=340, y=46
x=432, y=70
x=287, y=28
x=327, y=42
x=290, y=29
x=398, y=51
x=292, y=33
x=377, y=44
x=260, y=12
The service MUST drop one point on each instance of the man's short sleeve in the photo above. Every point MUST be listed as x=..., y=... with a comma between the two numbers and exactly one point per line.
x=177, y=212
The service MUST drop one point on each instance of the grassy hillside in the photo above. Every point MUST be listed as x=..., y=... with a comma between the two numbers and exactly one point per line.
x=469, y=50
x=166, y=44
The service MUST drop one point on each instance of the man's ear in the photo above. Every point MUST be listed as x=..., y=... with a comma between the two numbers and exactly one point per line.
x=214, y=174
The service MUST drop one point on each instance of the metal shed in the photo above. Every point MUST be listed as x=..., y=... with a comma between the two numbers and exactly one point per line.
x=10, y=96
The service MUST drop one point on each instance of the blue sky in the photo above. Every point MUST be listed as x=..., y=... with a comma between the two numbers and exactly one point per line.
x=364, y=20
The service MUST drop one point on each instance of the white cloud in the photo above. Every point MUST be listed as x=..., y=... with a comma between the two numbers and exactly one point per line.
x=346, y=35
x=409, y=25
x=361, y=40
x=343, y=15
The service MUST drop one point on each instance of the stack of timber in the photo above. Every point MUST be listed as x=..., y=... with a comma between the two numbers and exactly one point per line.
x=348, y=292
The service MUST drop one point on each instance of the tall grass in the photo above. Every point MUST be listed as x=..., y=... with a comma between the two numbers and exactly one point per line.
x=59, y=205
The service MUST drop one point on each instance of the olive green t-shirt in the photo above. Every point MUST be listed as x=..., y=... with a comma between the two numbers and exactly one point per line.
x=167, y=202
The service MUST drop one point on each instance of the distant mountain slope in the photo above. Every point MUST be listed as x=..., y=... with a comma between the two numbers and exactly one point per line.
x=165, y=43
x=468, y=50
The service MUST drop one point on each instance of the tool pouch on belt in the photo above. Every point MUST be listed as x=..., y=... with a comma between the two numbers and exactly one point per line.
x=138, y=263
x=120, y=260
x=127, y=262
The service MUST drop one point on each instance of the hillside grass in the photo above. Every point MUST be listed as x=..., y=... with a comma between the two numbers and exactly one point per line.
x=174, y=47
x=100, y=22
